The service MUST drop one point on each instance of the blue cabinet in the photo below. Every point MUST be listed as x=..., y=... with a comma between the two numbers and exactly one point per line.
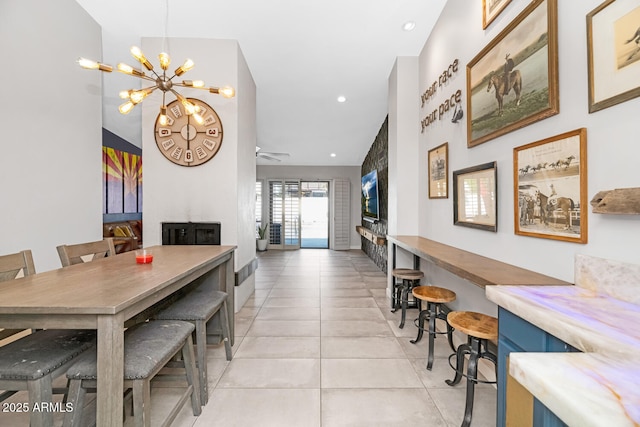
x=518, y=335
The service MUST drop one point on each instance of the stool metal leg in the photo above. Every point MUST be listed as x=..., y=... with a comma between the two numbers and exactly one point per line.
x=404, y=302
x=462, y=350
x=421, y=317
x=472, y=377
x=450, y=334
x=433, y=313
x=397, y=289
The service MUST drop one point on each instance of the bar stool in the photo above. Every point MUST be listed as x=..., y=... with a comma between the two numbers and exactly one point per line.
x=479, y=328
x=410, y=279
x=435, y=297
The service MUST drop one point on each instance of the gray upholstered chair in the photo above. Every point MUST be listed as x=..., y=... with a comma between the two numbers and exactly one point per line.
x=148, y=347
x=33, y=361
x=86, y=252
x=198, y=307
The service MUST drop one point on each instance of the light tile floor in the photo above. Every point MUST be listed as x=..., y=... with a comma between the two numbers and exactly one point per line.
x=317, y=345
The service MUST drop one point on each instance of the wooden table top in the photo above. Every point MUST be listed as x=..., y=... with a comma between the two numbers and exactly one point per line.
x=108, y=285
x=475, y=268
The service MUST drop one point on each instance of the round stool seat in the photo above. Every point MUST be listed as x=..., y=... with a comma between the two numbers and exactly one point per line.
x=407, y=274
x=433, y=294
x=474, y=324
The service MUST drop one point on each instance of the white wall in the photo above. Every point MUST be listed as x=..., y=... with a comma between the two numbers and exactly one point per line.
x=320, y=173
x=404, y=156
x=50, y=116
x=612, y=147
x=222, y=189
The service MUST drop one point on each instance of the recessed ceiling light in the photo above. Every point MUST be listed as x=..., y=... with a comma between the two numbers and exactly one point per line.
x=408, y=26
x=342, y=99
x=333, y=154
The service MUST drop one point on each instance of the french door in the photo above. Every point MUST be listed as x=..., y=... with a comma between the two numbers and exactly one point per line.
x=284, y=214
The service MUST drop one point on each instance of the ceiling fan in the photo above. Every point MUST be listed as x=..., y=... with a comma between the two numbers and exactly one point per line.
x=270, y=155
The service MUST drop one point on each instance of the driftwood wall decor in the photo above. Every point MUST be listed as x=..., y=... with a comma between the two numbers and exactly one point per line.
x=622, y=201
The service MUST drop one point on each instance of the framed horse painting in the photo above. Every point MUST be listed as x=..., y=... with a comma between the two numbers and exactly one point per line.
x=550, y=187
x=438, y=165
x=613, y=41
x=513, y=81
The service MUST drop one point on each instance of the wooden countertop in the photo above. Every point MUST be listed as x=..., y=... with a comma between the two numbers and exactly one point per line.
x=475, y=268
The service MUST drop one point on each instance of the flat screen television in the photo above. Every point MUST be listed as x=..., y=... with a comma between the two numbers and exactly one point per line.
x=370, y=207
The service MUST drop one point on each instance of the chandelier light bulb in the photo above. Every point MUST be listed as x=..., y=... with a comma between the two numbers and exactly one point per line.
x=126, y=107
x=137, y=96
x=165, y=60
x=163, y=120
x=124, y=94
x=198, y=118
x=128, y=69
x=188, y=64
x=137, y=53
x=193, y=83
x=93, y=65
x=227, y=91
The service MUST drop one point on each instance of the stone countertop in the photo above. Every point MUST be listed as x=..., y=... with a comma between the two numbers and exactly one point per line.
x=594, y=388
x=582, y=389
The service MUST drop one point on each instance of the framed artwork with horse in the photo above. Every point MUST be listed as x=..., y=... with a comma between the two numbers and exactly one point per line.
x=613, y=54
x=550, y=187
x=438, y=166
x=513, y=81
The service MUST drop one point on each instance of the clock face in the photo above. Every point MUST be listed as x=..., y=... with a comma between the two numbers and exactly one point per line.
x=185, y=142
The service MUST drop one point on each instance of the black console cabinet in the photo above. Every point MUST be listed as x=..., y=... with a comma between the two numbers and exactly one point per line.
x=190, y=233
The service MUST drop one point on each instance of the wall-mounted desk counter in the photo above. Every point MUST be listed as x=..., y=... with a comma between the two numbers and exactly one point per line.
x=486, y=272
x=477, y=269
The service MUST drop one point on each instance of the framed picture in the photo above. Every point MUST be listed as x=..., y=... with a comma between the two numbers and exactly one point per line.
x=513, y=81
x=439, y=172
x=613, y=52
x=475, y=197
x=550, y=187
x=491, y=9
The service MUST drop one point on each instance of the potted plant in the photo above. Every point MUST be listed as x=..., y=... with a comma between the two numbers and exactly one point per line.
x=262, y=237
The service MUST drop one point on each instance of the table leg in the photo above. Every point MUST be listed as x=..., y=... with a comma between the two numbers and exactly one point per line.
x=110, y=370
x=395, y=302
x=230, y=278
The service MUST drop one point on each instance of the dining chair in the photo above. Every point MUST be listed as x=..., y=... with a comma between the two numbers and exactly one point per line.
x=32, y=362
x=86, y=252
x=148, y=347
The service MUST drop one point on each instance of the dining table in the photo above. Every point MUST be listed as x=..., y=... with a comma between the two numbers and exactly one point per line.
x=103, y=294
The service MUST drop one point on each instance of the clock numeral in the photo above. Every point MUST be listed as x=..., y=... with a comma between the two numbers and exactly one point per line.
x=170, y=121
x=200, y=153
x=163, y=132
x=201, y=110
x=177, y=153
x=213, y=132
x=168, y=144
x=209, y=144
x=177, y=112
x=209, y=120
x=188, y=156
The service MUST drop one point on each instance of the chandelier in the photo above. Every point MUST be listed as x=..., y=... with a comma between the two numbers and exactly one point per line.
x=160, y=81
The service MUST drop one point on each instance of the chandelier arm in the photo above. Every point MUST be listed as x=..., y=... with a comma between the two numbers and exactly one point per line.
x=191, y=87
x=145, y=77
x=177, y=95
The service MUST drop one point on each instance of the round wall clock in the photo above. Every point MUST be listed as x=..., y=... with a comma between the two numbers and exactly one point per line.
x=183, y=140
